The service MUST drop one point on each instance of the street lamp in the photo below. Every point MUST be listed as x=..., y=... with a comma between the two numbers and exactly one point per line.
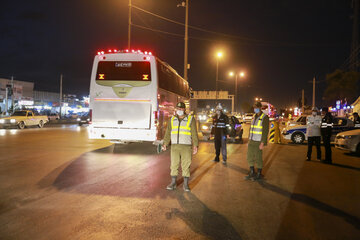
x=219, y=55
x=240, y=74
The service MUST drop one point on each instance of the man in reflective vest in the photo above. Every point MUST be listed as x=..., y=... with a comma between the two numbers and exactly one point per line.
x=259, y=130
x=220, y=130
x=181, y=131
x=326, y=131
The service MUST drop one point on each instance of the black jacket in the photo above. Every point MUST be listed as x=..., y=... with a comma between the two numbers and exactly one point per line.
x=220, y=125
x=327, y=124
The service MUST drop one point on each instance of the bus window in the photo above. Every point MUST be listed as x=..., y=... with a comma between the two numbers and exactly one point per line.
x=123, y=70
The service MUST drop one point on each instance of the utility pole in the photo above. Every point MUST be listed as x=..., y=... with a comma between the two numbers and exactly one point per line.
x=186, y=40
x=129, y=28
x=12, y=93
x=302, y=101
x=60, y=100
x=6, y=99
x=354, y=53
x=313, y=100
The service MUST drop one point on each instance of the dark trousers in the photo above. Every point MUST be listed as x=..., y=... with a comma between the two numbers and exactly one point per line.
x=220, y=143
x=311, y=141
x=326, y=140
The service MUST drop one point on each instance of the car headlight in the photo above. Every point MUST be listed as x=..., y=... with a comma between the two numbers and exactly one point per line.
x=2, y=120
x=204, y=127
x=78, y=119
x=12, y=121
x=350, y=136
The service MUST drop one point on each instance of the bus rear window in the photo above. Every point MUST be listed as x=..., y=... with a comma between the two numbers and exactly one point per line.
x=123, y=71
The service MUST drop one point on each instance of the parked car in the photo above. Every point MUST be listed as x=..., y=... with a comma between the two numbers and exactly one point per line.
x=53, y=116
x=248, y=117
x=300, y=120
x=84, y=119
x=297, y=133
x=235, y=129
x=22, y=119
x=348, y=141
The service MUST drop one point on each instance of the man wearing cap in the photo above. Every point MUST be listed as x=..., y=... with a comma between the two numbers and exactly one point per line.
x=259, y=130
x=182, y=133
x=326, y=131
x=219, y=130
x=313, y=124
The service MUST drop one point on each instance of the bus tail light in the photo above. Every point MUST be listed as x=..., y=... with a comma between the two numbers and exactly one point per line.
x=156, y=117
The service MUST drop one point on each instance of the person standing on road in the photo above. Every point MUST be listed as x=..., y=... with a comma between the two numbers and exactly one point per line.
x=219, y=129
x=313, y=125
x=356, y=120
x=259, y=130
x=326, y=130
x=181, y=131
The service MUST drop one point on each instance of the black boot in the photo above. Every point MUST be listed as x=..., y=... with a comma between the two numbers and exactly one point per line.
x=186, y=184
x=251, y=174
x=258, y=174
x=172, y=185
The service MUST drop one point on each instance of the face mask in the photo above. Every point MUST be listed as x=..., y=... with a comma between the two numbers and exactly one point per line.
x=256, y=110
x=314, y=113
x=180, y=112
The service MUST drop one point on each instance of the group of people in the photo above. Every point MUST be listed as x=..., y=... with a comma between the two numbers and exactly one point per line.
x=182, y=133
x=318, y=127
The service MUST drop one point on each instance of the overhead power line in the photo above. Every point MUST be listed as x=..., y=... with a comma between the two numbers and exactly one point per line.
x=257, y=41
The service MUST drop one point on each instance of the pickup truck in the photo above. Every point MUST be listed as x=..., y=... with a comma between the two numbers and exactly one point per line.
x=22, y=119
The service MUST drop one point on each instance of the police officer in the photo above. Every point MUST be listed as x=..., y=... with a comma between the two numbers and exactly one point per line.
x=326, y=130
x=356, y=120
x=259, y=130
x=181, y=131
x=313, y=124
x=220, y=130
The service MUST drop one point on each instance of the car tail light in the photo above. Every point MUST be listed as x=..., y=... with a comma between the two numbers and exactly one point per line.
x=90, y=116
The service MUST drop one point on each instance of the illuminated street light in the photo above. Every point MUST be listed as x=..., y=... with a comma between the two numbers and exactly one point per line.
x=240, y=74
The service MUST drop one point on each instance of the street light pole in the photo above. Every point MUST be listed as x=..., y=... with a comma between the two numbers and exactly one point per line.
x=236, y=77
x=217, y=76
x=129, y=28
x=186, y=40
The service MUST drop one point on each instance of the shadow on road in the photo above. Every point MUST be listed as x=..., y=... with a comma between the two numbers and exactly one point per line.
x=312, y=202
x=202, y=219
x=129, y=148
x=339, y=165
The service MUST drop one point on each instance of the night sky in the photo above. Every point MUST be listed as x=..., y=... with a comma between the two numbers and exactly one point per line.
x=281, y=44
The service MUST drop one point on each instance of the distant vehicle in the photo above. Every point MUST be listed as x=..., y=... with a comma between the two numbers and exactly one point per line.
x=84, y=119
x=297, y=133
x=22, y=119
x=132, y=96
x=248, y=117
x=269, y=110
x=348, y=141
x=53, y=116
x=235, y=130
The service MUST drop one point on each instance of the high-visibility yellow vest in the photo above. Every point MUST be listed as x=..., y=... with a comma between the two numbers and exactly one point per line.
x=256, y=128
x=181, y=130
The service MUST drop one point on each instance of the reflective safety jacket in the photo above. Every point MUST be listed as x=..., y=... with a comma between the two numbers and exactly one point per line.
x=220, y=125
x=181, y=130
x=259, y=128
x=327, y=124
x=357, y=122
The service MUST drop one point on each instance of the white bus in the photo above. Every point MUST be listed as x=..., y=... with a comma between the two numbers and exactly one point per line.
x=132, y=96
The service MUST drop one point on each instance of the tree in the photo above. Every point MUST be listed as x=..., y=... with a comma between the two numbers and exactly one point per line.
x=341, y=85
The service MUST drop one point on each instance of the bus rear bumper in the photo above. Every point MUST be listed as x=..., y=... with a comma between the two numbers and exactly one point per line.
x=122, y=135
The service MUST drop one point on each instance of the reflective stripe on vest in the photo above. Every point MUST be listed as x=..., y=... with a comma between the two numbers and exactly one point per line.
x=181, y=131
x=256, y=128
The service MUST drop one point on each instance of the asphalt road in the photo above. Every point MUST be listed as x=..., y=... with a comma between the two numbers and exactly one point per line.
x=57, y=184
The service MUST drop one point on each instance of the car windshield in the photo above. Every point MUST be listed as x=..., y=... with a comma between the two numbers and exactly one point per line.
x=19, y=113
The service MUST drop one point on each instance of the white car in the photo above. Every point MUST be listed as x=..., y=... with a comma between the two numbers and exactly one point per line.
x=348, y=141
x=248, y=117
